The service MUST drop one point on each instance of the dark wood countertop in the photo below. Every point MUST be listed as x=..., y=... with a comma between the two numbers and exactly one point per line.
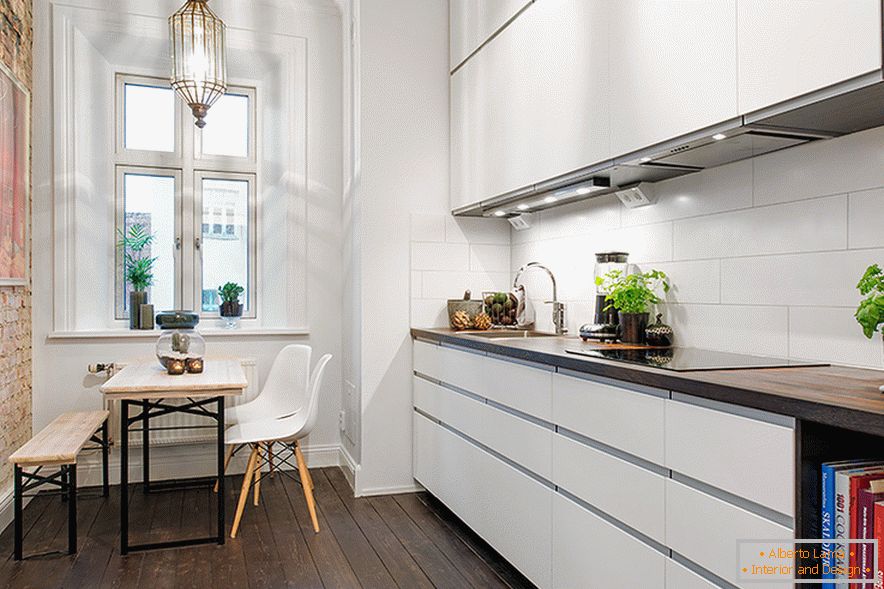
x=833, y=395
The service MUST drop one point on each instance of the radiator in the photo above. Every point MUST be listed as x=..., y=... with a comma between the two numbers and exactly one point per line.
x=160, y=437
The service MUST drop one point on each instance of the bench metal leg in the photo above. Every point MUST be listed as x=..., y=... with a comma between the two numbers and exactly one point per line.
x=17, y=492
x=72, y=508
x=124, y=477
x=145, y=445
x=105, y=485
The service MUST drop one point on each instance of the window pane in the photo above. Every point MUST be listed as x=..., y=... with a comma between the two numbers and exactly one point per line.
x=150, y=118
x=225, y=249
x=149, y=201
x=227, y=127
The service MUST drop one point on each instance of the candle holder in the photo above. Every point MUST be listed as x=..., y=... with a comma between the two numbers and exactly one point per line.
x=175, y=366
x=194, y=365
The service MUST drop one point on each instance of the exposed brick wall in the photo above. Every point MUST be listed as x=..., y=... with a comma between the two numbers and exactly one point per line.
x=16, y=42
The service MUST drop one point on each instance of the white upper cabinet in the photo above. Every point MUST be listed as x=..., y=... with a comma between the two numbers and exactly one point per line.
x=472, y=22
x=533, y=103
x=790, y=47
x=673, y=69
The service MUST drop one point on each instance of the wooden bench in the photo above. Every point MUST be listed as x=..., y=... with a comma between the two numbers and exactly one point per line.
x=58, y=444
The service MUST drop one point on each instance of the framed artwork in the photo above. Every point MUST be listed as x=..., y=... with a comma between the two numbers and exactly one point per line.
x=14, y=180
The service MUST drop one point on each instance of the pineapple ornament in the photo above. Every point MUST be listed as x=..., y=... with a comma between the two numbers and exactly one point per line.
x=482, y=321
x=461, y=320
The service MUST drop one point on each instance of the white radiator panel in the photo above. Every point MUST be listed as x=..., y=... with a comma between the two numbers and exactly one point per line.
x=159, y=437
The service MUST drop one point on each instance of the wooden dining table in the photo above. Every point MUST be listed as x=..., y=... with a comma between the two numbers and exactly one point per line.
x=146, y=385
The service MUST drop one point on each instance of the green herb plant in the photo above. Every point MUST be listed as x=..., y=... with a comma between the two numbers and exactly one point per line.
x=870, y=313
x=633, y=293
x=230, y=292
x=137, y=267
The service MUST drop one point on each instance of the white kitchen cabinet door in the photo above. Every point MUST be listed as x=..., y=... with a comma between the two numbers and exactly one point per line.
x=472, y=22
x=507, y=508
x=673, y=69
x=590, y=553
x=790, y=47
x=533, y=103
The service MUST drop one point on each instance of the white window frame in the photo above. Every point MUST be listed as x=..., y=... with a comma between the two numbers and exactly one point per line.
x=189, y=166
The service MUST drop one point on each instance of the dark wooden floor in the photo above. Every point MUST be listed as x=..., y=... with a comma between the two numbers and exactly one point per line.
x=408, y=541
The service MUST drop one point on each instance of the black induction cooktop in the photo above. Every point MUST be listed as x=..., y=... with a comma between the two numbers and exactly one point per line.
x=689, y=359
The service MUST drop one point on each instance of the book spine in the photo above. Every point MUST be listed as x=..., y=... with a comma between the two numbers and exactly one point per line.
x=865, y=509
x=878, y=530
x=827, y=505
x=842, y=524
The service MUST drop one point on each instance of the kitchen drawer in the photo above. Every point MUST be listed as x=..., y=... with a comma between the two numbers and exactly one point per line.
x=523, y=442
x=681, y=577
x=705, y=529
x=590, y=553
x=623, y=490
x=508, y=383
x=749, y=458
x=625, y=419
x=507, y=508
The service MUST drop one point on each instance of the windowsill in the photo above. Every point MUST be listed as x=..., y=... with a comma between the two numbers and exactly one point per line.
x=209, y=332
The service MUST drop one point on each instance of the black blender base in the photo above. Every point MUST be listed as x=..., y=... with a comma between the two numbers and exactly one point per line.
x=599, y=332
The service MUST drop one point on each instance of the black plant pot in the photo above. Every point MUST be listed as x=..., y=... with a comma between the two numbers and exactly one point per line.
x=136, y=299
x=231, y=309
x=632, y=327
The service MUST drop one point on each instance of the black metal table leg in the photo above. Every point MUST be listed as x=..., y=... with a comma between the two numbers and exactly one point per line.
x=64, y=484
x=222, y=531
x=72, y=508
x=17, y=513
x=145, y=445
x=105, y=485
x=124, y=477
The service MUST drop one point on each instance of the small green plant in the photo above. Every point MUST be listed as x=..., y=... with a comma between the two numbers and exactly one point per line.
x=632, y=293
x=230, y=292
x=870, y=313
x=137, y=267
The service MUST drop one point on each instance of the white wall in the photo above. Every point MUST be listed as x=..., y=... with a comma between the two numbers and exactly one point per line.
x=60, y=379
x=764, y=254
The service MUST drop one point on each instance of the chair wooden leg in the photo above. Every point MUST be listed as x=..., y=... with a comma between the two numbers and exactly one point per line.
x=227, y=458
x=301, y=460
x=308, y=488
x=270, y=457
x=257, y=476
x=244, y=492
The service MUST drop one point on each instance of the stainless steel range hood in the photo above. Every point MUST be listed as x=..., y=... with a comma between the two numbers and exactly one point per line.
x=839, y=110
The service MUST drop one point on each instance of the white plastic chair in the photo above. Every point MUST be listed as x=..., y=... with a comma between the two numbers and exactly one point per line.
x=288, y=432
x=283, y=394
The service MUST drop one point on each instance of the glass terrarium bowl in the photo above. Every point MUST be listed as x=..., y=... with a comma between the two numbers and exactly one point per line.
x=180, y=344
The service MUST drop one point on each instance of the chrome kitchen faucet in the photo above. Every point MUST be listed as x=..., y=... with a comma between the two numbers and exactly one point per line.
x=558, y=309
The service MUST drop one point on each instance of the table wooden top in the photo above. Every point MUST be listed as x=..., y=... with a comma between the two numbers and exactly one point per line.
x=147, y=380
x=60, y=441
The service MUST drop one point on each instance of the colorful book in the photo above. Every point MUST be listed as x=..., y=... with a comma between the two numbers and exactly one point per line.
x=859, y=482
x=842, y=519
x=879, y=536
x=865, y=507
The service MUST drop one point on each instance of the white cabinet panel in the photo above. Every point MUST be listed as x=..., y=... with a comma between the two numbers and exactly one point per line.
x=746, y=457
x=533, y=103
x=673, y=69
x=628, y=493
x=679, y=577
x=618, y=417
x=705, y=529
x=472, y=22
x=791, y=47
x=590, y=553
x=521, y=441
x=508, y=509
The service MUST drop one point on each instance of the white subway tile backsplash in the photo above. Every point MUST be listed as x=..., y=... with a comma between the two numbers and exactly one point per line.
x=814, y=225
x=429, y=313
x=440, y=256
x=832, y=335
x=726, y=188
x=416, y=284
x=865, y=223
x=696, y=281
x=645, y=243
x=451, y=285
x=490, y=258
x=731, y=328
x=835, y=166
x=427, y=227
x=579, y=218
x=477, y=230
x=817, y=279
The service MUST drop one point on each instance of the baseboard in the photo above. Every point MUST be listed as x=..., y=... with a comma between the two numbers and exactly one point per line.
x=349, y=468
x=415, y=488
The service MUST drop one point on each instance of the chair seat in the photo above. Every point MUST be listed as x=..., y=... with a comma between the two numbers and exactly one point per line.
x=266, y=430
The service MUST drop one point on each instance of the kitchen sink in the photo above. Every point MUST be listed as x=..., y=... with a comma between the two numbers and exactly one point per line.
x=507, y=334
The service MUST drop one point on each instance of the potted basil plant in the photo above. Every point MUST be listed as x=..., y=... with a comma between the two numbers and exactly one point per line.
x=231, y=307
x=137, y=268
x=870, y=312
x=632, y=296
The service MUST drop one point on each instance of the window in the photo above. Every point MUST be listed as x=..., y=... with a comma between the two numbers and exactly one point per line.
x=193, y=190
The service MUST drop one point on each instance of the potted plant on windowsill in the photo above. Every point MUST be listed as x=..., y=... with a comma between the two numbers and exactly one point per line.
x=870, y=312
x=134, y=244
x=231, y=308
x=632, y=296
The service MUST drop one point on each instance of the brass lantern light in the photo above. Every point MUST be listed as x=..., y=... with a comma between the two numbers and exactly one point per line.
x=199, y=57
